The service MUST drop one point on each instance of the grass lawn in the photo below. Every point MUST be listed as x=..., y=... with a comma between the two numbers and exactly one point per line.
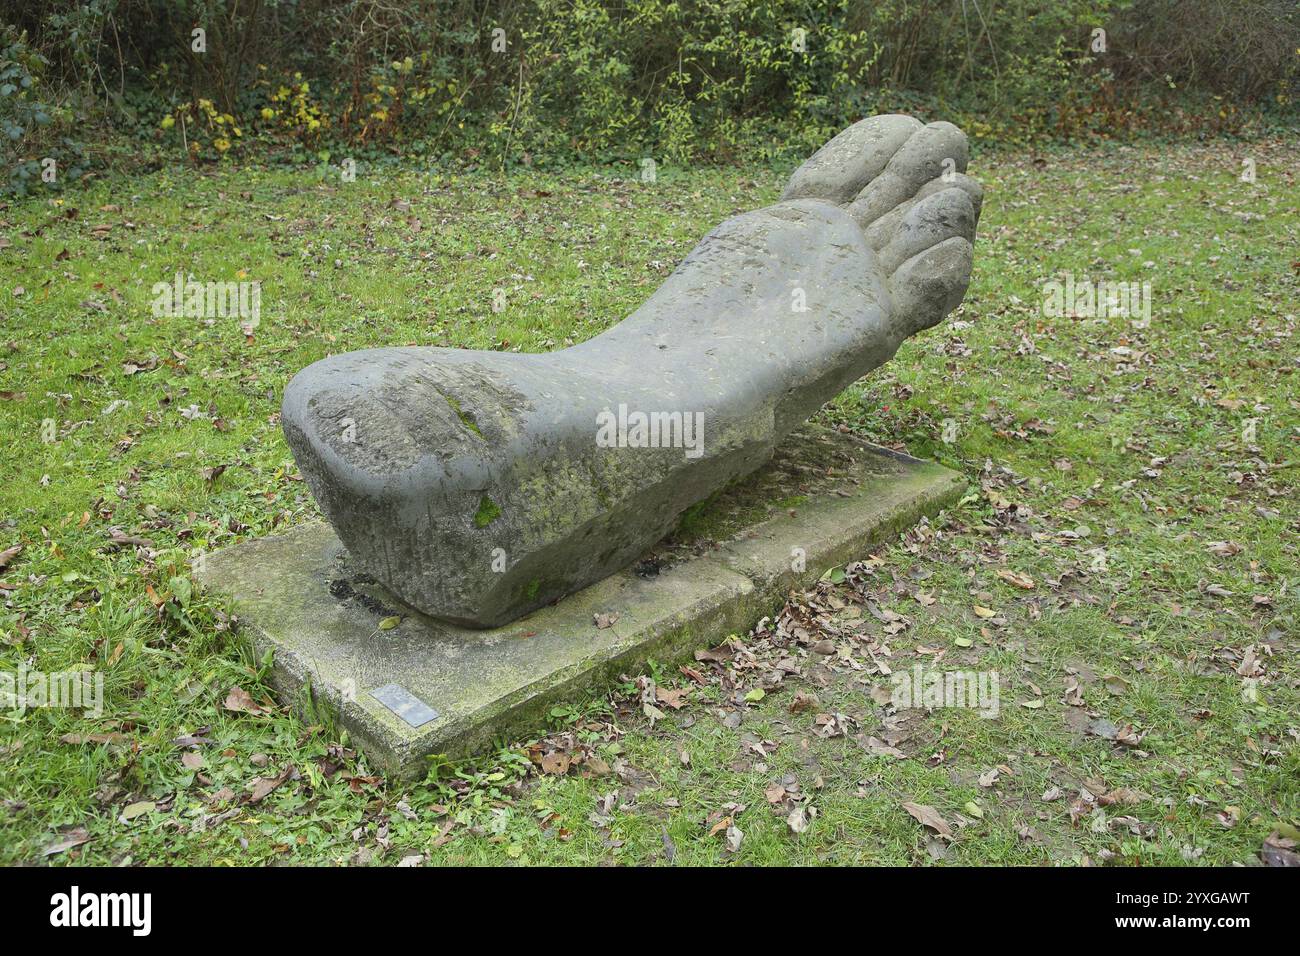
x=1135, y=483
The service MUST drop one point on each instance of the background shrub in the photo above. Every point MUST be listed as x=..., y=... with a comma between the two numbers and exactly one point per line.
x=698, y=80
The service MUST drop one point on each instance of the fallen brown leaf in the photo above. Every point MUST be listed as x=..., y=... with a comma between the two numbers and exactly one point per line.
x=265, y=786
x=1016, y=579
x=674, y=697
x=69, y=839
x=241, y=701
x=929, y=817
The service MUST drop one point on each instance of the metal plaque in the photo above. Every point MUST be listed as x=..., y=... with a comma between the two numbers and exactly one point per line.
x=405, y=704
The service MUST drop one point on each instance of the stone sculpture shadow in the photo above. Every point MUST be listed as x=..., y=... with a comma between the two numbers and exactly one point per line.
x=479, y=486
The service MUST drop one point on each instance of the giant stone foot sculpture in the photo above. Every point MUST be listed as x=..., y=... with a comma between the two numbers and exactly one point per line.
x=480, y=485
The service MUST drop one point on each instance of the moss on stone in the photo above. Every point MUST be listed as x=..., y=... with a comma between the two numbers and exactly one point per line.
x=815, y=459
x=692, y=522
x=487, y=512
x=464, y=416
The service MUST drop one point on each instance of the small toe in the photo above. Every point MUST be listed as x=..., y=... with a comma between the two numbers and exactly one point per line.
x=839, y=170
x=931, y=284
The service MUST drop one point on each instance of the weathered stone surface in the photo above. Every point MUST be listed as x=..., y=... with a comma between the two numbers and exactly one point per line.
x=303, y=597
x=475, y=485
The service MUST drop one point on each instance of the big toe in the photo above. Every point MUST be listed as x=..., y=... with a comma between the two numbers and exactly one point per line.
x=933, y=151
x=846, y=164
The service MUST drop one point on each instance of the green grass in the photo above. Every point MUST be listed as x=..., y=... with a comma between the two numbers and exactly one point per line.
x=1106, y=461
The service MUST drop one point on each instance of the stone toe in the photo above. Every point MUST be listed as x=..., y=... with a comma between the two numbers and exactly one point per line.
x=929, y=153
x=838, y=171
x=931, y=284
x=939, y=216
x=881, y=232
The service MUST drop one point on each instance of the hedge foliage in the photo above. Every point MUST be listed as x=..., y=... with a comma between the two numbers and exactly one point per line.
x=535, y=81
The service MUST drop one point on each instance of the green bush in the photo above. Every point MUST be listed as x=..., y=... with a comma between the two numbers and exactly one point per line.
x=681, y=80
x=23, y=111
